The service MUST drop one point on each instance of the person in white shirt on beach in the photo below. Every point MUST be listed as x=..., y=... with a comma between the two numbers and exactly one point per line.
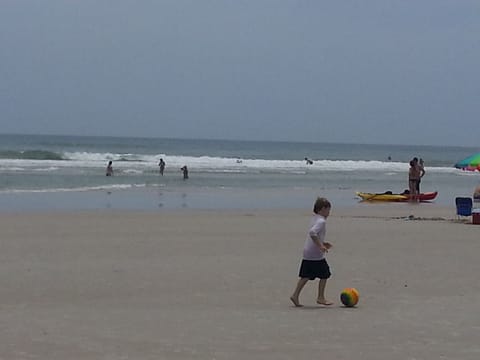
x=314, y=264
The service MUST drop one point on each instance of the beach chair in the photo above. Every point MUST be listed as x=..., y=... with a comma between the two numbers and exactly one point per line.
x=464, y=206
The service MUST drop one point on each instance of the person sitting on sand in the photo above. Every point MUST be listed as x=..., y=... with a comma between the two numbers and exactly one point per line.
x=314, y=264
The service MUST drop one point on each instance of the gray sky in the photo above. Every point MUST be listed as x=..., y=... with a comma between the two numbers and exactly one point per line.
x=362, y=71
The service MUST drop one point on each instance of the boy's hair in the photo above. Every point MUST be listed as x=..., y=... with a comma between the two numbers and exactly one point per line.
x=321, y=203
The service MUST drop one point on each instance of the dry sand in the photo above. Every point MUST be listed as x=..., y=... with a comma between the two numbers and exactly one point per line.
x=216, y=285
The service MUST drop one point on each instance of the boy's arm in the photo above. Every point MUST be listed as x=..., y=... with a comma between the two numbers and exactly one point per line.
x=323, y=246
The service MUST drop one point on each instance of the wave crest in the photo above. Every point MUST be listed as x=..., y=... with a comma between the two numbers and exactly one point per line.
x=31, y=155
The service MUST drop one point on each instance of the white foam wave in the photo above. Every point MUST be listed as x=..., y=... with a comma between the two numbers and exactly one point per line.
x=51, y=168
x=136, y=164
x=76, y=189
x=132, y=171
x=91, y=157
x=11, y=168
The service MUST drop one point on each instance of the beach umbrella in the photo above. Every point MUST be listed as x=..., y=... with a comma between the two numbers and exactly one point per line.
x=470, y=163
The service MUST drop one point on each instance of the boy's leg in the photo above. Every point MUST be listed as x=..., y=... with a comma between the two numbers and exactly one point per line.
x=300, y=284
x=321, y=293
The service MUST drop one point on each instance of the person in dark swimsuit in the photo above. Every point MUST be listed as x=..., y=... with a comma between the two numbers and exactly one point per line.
x=109, y=169
x=162, y=166
x=185, y=172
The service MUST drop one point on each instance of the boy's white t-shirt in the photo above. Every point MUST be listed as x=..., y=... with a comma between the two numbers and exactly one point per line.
x=311, y=251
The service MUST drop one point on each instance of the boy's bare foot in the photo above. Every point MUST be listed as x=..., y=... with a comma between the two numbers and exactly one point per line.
x=295, y=302
x=324, y=302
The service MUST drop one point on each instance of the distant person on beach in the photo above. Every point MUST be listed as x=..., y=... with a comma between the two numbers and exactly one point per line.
x=109, y=171
x=421, y=171
x=309, y=162
x=413, y=177
x=161, y=164
x=314, y=264
x=476, y=194
x=185, y=172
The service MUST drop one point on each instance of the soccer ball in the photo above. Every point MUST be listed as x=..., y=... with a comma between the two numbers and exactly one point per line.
x=349, y=297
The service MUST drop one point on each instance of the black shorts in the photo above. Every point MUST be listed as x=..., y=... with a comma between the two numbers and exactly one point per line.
x=312, y=269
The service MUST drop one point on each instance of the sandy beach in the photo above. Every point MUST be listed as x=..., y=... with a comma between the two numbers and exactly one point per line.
x=192, y=284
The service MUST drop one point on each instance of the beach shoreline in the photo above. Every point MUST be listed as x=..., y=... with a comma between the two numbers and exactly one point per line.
x=204, y=284
x=158, y=198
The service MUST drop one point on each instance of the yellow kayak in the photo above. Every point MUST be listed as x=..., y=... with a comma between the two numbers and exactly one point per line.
x=395, y=197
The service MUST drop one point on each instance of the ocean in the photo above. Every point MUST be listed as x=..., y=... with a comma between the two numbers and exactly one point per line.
x=44, y=172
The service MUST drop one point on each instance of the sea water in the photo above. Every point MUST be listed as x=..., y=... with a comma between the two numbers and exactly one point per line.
x=39, y=172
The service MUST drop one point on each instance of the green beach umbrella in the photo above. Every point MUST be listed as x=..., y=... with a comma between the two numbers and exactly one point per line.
x=470, y=163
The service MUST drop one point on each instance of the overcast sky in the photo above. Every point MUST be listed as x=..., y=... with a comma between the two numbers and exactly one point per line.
x=360, y=71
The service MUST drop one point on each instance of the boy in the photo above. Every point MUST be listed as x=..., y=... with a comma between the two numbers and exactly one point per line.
x=314, y=264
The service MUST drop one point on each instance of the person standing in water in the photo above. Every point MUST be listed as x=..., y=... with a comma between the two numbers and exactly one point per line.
x=161, y=164
x=185, y=172
x=109, y=171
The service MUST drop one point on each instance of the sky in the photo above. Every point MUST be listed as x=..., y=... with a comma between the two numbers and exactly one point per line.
x=348, y=71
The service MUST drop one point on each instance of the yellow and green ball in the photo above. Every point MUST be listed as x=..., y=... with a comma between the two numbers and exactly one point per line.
x=349, y=297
